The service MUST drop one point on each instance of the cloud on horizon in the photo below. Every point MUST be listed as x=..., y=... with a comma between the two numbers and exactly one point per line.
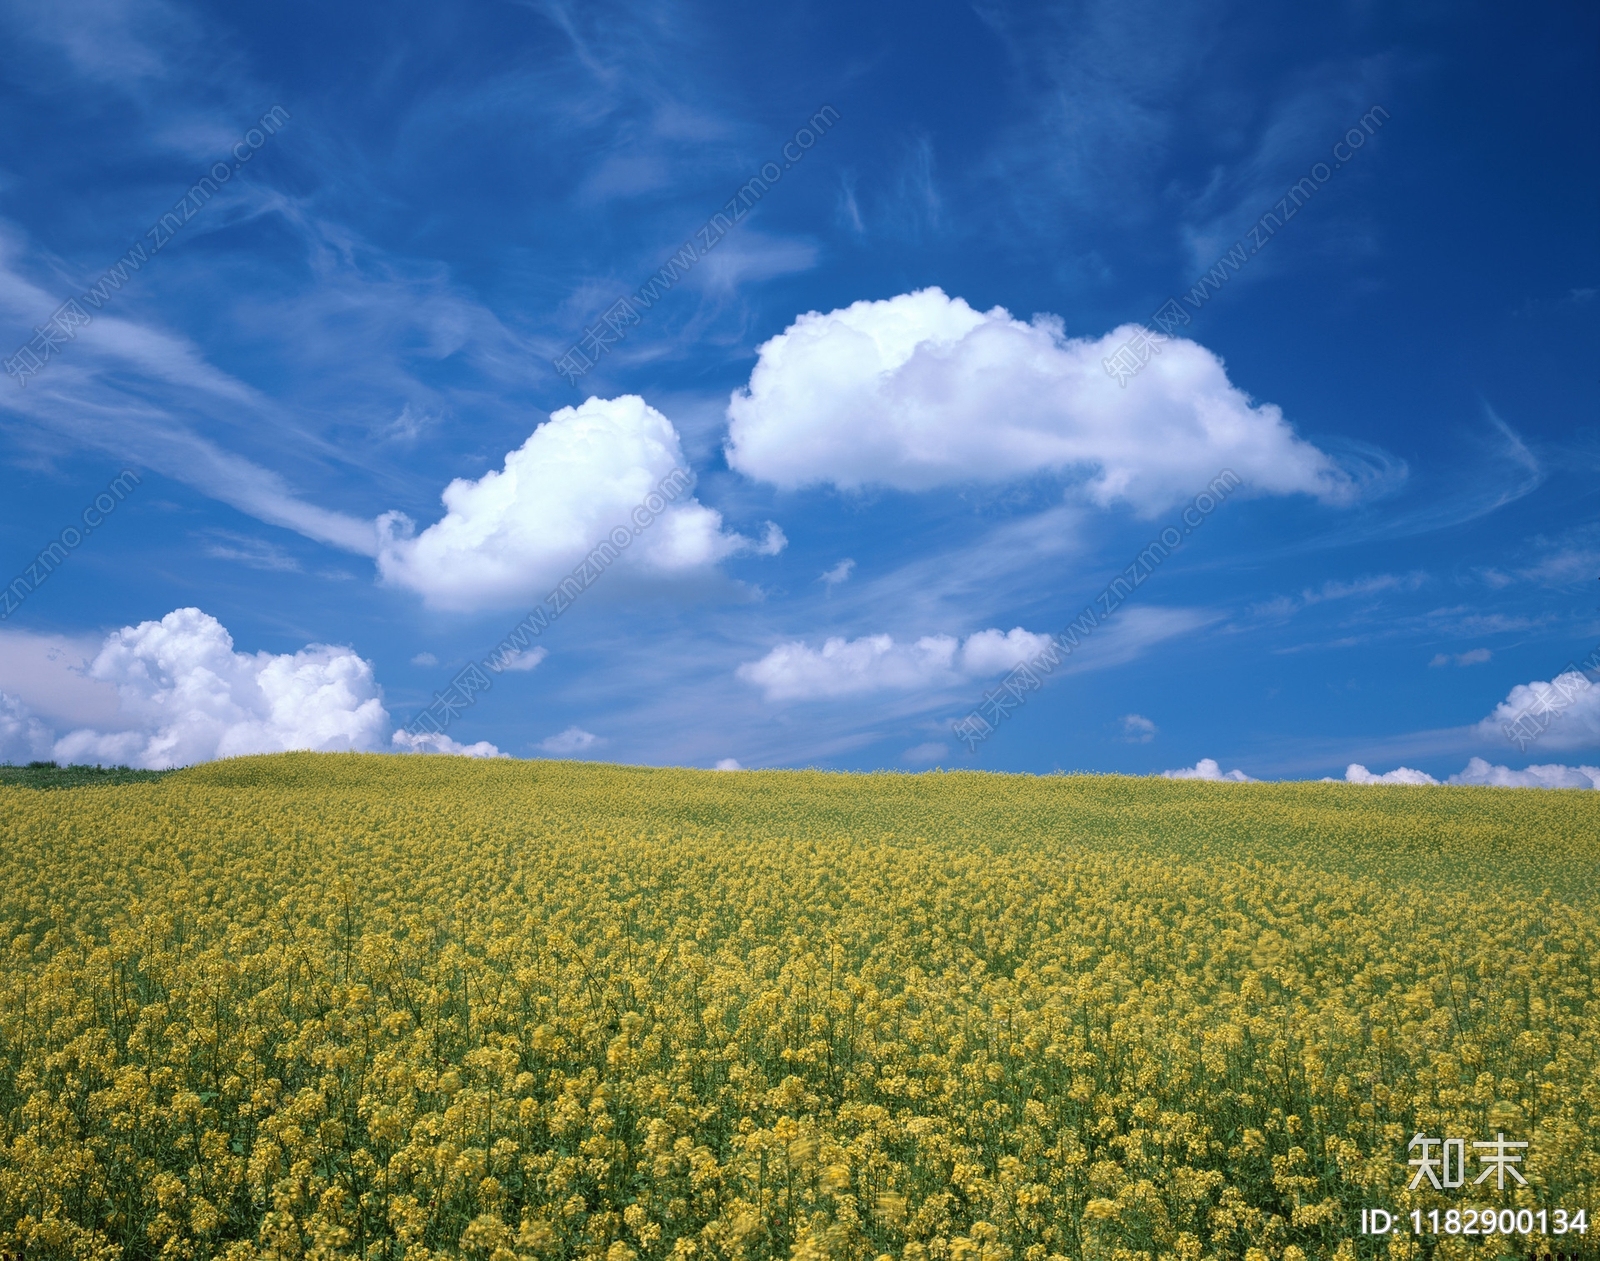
x=1480, y=773
x=184, y=695
x=1355, y=773
x=194, y=698
x=439, y=742
x=1208, y=769
x=23, y=738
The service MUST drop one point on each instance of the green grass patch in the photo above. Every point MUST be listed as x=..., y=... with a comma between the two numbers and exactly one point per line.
x=49, y=775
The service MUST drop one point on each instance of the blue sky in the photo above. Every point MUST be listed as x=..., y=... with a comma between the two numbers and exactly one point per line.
x=425, y=209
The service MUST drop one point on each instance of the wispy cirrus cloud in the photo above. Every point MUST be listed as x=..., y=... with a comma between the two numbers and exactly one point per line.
x=1472, y=657
x=252, y=552
x=1286, y=606
x=1137, y=729
x=571, y=741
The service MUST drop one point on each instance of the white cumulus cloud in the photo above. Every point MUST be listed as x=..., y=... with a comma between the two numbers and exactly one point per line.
x=511, y=535
x=1561, y=714
x=921, y=390
x=438, y=742
x=1478, y=771
x=193, y=698
x=728, y=764
x=1206, y=768
x=874, y=663
x=841, y=667
x=1355, y=773
x=23, y=738
x=991, y=652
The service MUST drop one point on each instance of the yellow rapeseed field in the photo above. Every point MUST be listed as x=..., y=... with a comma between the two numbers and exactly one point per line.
x=354, y=1006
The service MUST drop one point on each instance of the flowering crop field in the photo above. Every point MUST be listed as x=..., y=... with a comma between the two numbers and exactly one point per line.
x=409, y=1007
